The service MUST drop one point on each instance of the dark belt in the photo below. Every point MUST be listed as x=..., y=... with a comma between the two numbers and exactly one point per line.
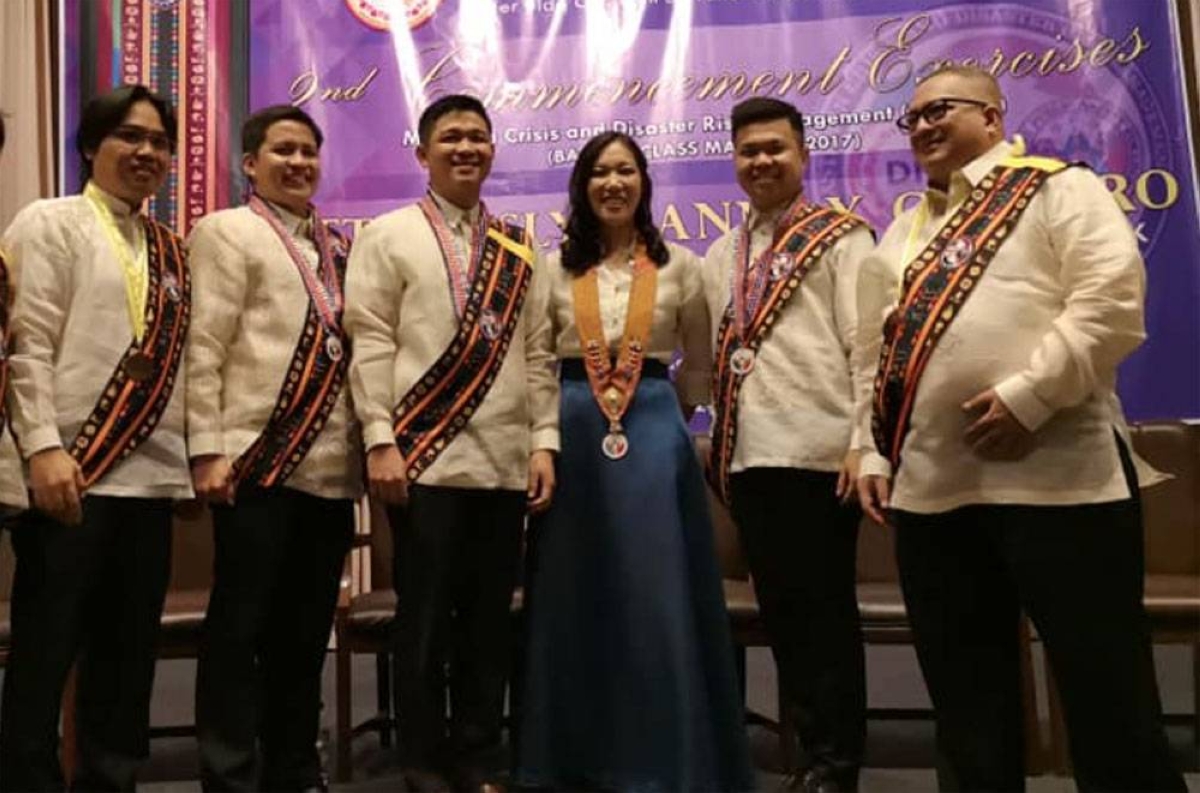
x=573, y=369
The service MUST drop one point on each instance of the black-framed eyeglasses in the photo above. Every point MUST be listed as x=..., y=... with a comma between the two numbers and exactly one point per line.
x=134, y=136
x=935, y=111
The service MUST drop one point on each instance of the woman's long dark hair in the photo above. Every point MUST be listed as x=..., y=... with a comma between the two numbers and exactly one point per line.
x=582, y=245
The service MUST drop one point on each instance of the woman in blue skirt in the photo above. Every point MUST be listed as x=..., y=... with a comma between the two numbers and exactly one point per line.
x=629, y=680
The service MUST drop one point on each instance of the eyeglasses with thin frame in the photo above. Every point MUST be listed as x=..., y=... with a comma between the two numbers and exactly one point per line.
x=935, y=111
x=133, y=136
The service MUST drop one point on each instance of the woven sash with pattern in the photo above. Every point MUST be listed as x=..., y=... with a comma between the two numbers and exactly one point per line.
x=815, y=231
x=937, y=284
x=309, y=393
x=442, y=400
x=128, y=410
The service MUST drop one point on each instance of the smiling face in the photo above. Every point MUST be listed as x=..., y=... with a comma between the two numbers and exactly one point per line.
x=133, y=160
x=614, y=188
x=458, y=157
x=770, y=161
x=963, y=131
x=286, y=168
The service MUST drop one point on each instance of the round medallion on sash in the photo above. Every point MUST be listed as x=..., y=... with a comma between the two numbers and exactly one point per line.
x=489, y=323
x=957, y=252
x=139, y=366
x=615, y=445
x=171, y=287
x=742, y=361
x=334, y=348
x=780, y=264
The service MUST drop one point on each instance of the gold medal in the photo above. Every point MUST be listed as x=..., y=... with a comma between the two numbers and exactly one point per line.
x=612, y=398
x=139, y=366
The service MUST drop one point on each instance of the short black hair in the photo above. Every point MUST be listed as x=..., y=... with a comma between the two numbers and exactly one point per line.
x=2, y=115
x=762, y=108
x=453, y=103
x=254, y=128
x=106, y=112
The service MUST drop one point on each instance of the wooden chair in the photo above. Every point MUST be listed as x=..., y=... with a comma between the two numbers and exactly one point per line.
x=182, y=619
x=363, y=624
x=1172, y=530
x=884, y=621
x=745, y=618
x=187, y=596
x=1171, y=516
x=7, y=566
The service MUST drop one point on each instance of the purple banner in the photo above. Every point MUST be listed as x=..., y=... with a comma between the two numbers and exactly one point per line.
x=1099, y=82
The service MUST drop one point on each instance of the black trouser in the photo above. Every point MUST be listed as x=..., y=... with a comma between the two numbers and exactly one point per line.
x=93, y=591
x=1077, y=571
x=279, y=560
x=457, y=552
x=800, y=544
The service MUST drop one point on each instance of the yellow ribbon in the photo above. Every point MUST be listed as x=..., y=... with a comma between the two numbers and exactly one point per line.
x=134, y=261
x=922, y=214
x=523, y=252
x=920, y=217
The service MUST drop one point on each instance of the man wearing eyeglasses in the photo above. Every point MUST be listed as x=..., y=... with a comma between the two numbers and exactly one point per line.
x=99, y=318
x=997, y=310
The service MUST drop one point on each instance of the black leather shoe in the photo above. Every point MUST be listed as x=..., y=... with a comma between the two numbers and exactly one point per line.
x=477, y=781
x=791, y=782
x=421, y=780
x=817, y=779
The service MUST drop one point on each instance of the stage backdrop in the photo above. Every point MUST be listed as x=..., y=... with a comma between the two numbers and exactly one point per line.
x=1100, y=81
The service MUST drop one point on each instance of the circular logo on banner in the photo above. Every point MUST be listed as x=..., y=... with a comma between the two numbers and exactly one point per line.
x=1109, y=117
x=1125, y=136
x=416, y=12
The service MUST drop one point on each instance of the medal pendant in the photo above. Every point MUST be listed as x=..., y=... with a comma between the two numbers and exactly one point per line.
x=139, y=366
x=489, y=323
x=334, y=348
x=780, y=263
x=957, y=253
x=171, y=287
x=742, y=361
x=612, y=399
x=615, y=445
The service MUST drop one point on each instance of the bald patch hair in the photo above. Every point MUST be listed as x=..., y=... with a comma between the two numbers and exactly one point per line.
x=981, y=79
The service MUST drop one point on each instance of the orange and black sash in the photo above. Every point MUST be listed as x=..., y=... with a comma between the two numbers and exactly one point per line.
x=937, y=284
x=443, y=400
x=5, y=298
x=133, y=400
x=311, y=387
x=812, y=232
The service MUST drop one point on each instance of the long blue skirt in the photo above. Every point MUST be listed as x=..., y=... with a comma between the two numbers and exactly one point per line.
x=629, y=680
